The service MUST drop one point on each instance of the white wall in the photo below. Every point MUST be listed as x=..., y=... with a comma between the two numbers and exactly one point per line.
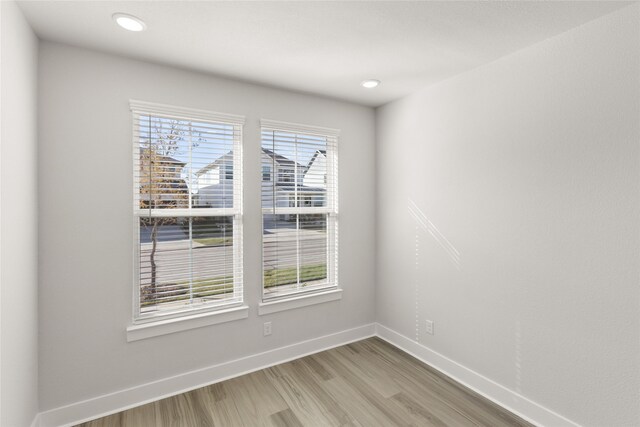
x=86, y=222
x=18, y=221
x=509, y=213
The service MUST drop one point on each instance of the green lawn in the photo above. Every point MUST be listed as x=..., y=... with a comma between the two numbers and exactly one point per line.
x=221, y=285
x=287, y=276
x=201, y=288
x=215, y=241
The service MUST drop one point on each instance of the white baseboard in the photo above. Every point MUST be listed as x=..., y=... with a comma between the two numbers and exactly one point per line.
x=124, y=399
x=508, y=399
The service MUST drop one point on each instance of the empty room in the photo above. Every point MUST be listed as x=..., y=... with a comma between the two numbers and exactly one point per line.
x=320, y=213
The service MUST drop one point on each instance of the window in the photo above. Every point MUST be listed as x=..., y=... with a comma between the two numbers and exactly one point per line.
x=300, y=211
x=188, y=224
x=228, y=171
x=285, y=175
x=266, y=173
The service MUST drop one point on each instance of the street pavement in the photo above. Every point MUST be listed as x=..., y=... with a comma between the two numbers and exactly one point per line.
x=280, y=251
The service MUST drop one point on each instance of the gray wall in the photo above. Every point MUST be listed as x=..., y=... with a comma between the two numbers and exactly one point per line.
x=508, y=213
x=18, y=223
x=86, y=222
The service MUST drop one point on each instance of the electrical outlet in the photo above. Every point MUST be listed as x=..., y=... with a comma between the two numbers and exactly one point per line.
x=429, y=326
x=267, y=328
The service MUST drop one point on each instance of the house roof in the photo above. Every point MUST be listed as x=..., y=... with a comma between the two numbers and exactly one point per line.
x=167, y=159
x=323, y=152
x=280, y=159
x=210, y=166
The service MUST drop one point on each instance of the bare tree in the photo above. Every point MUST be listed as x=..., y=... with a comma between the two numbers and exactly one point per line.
x=162, y=185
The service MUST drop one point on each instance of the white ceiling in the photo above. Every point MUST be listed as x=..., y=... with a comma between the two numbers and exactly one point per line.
x=322, y=47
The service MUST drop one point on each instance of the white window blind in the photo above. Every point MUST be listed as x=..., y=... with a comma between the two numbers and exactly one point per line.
x=299, y=209
x=187, y=210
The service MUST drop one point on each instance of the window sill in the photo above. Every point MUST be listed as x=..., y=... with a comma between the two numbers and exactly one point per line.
x=299, y=301
x=169, y=326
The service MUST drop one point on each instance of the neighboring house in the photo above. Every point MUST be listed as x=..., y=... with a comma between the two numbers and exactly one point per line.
x=216, y=172
x=215, y=186
x=165, y=187
x=276, y=166
x=273, y=166
x=316, y=175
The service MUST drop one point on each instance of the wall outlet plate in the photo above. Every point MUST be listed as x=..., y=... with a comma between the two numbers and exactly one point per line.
x=267, y=328
x=429, y=326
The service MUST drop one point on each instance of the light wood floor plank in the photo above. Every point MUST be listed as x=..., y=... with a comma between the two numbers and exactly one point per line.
x=356, y=404
x=114, y=420
x=413, y=382
x=181, y=411
x=285, y=418
x=223, y=410
x=365, y=384
x=460, y=399
x=312, y=404
x=256, y=398
x=427, y=415
x=359, y=386
x=141, y=416
x=362, y=366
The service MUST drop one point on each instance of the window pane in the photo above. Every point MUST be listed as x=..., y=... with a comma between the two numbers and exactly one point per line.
x=266, y=173
x=162, y=181
x=212, y=166
x=300, y=170
x=299, y=207
x=185, y=163
x=295, y=252
x=186, y=258
x=185, y=262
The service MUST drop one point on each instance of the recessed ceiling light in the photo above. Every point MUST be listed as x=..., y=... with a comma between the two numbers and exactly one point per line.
x=129, y=22
x=371, y=83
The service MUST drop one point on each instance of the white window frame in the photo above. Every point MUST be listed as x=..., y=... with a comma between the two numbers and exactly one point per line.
x=152, y=324
x=331, y=292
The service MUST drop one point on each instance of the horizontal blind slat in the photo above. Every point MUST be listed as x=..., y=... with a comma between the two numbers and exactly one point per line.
x=299, y=204
x=187, y=201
